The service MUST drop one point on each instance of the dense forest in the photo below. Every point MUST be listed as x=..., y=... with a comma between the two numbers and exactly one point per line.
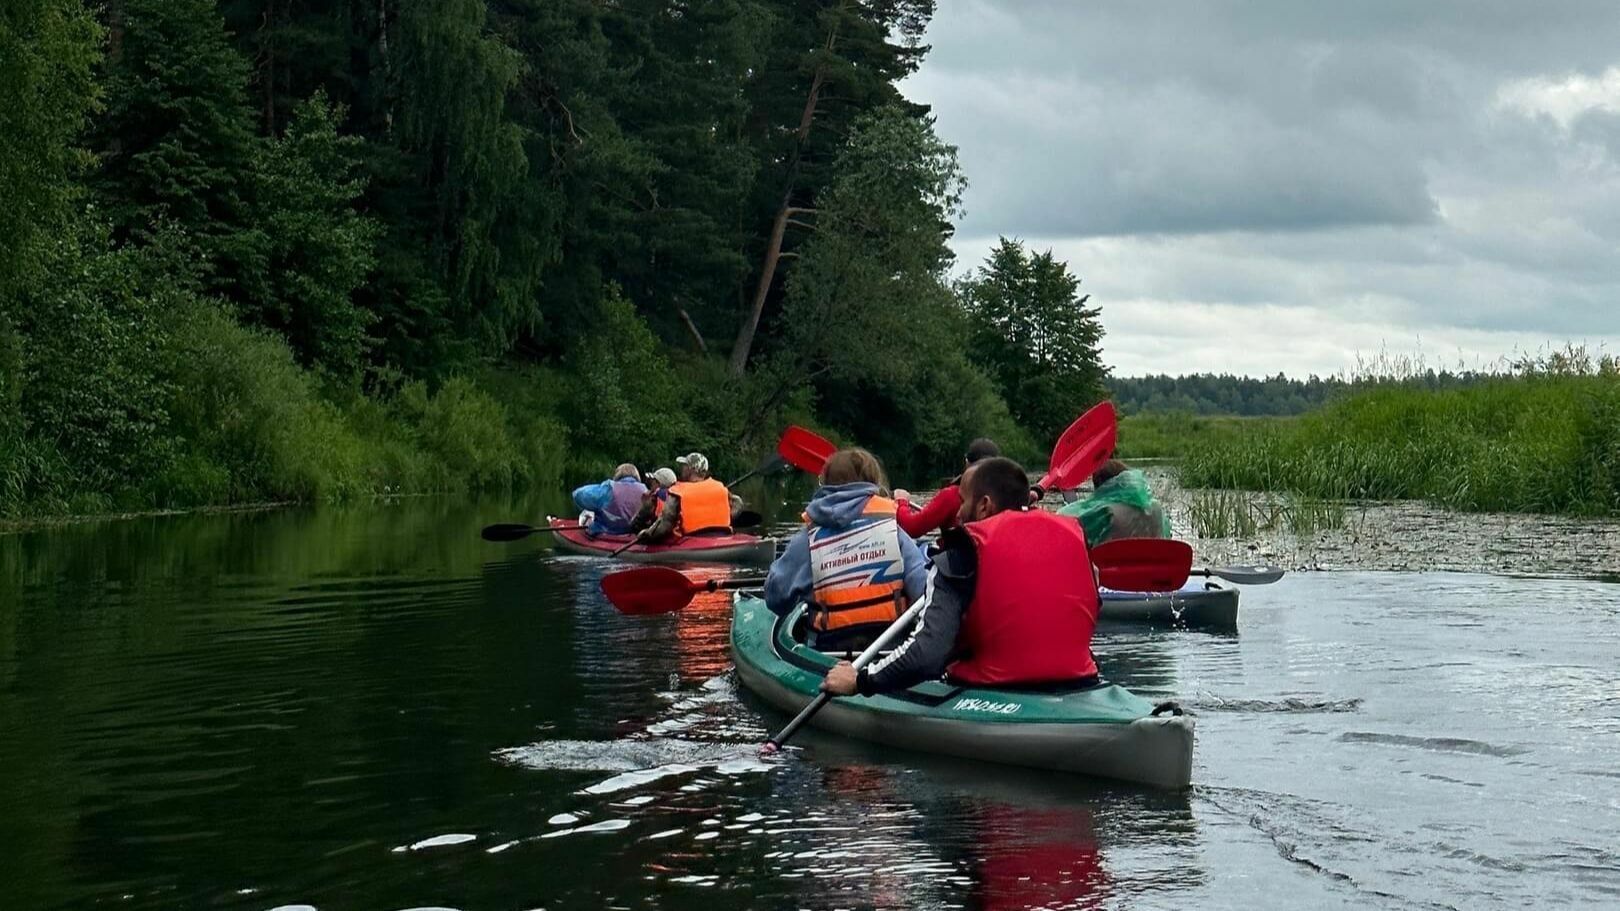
x=288, y=249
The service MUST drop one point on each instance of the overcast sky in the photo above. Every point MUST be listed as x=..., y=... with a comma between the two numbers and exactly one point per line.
x=1281, y=185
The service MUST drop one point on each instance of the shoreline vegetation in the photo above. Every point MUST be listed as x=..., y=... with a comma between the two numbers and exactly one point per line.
x=256, y=252
x=1542, y=436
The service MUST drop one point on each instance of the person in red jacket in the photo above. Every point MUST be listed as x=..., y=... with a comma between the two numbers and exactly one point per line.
x=1009, y=601
x=941, y=511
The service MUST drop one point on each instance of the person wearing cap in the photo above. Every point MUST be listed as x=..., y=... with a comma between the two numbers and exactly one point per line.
x=652, y=503
x=940, y=513
x=612, y=504
x=696, y=504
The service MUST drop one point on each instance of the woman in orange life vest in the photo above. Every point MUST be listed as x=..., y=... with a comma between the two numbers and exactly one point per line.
x=697, y=504
x=1005, y=604
x=850, y=562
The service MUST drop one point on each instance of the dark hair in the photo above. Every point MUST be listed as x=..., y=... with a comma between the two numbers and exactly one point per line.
x=981, y=449
x=1110, y=470
x=1002, y=480
x=849, y=465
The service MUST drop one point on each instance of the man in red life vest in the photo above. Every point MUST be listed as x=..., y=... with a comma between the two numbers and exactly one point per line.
x=1005, y=605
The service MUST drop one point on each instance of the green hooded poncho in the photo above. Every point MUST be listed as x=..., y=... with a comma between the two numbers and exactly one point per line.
x=1096, y=512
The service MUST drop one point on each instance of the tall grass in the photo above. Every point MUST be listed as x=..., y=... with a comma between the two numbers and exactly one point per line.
x=1544, y=437
x=1238, y=514
x=1171, y=435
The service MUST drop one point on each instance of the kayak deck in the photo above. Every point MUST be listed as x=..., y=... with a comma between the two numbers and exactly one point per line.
x=1104, y=731
x=1199, y=604
x=734, y=548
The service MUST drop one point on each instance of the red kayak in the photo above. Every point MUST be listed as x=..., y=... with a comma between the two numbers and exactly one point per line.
x=734, y=548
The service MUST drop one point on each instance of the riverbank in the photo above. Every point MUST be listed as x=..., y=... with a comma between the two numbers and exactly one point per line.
x=1404, y=536
x=1174, y=434
x=1536, y=442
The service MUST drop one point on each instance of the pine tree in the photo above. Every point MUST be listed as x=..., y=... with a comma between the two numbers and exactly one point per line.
x=1035, y=336
x=176, y=143
x=318, y=248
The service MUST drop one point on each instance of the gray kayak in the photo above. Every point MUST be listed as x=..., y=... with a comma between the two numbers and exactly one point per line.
x=1199, y=604
x=1104, y=731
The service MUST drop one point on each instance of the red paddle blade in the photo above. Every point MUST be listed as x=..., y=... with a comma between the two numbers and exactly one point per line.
x=650, y=590
x=804, y=449
x=1083, y=448
x=1143, y=564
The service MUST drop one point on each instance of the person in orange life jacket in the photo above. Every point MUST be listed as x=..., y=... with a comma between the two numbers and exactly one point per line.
x=695, y=505
x=1004, y=605
x=850, y=562
x=652, y=502
x=613, y=503
x=941, y=511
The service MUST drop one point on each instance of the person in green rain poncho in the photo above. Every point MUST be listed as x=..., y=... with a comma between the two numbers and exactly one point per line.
x=1120, y=506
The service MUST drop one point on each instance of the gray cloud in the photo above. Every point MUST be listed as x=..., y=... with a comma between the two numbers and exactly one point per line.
x=1440, y=170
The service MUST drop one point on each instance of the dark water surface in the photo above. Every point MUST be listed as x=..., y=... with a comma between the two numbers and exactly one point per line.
x=369, y=708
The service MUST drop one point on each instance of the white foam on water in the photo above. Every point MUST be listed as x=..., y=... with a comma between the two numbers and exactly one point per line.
x=638, y=778
x=638, y=800
x=502, y=846
x=638, y=762
x=606, y=825
x=293, y=908
x=562, y=819
x=696, y=880
x=439, y=841
x=705, y=836
x=751, y=817
x=665, y=834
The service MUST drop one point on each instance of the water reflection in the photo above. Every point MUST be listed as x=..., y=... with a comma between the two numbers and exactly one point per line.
x=370, y=707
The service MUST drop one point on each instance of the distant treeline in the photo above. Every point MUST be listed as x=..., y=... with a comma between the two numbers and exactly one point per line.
x=1224, y=393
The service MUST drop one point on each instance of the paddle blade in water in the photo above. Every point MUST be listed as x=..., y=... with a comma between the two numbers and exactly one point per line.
x=804, y=449
x=1143, y=564
x=1083, y=448
x=650, y=590
x=1244, y=575
x=507, y=531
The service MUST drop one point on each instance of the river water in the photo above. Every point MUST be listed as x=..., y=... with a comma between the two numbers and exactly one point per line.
x=369, y=708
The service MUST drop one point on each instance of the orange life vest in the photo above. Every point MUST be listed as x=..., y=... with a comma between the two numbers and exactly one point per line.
x=858, y=574
x=705, y=506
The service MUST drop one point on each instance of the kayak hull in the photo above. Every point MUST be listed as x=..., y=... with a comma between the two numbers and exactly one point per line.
x=1205, y=606
x=1104, y=731
x=737, y=548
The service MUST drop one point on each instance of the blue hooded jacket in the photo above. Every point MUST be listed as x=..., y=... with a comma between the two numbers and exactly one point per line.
x=613, y=505
x=833, y=506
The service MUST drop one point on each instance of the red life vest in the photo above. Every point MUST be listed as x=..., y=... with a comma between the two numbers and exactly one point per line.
x=858, y=572
x=1034, y=602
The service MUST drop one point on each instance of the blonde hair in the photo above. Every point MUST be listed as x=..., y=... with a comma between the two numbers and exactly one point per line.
x=847, y=466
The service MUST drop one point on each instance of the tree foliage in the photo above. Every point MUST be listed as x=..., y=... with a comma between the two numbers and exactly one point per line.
x=305, y=249
x=1032, y=332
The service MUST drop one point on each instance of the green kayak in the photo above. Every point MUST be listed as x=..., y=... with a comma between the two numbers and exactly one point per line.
x=1104, y=731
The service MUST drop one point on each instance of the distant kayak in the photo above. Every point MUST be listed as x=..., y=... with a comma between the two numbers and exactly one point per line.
x=1198, y=603
x=734, y=548
x=1104, y=731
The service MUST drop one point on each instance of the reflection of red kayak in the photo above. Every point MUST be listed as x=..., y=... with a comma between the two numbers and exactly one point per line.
x=736, y=548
